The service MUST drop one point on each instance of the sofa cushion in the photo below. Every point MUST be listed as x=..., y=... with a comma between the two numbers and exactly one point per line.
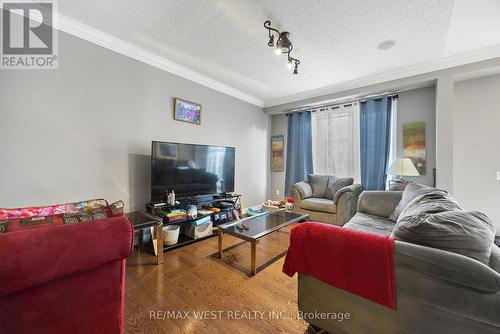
x=370, y=223
x=411, y=191
x=318, y=183
x=469, y=233
x=318, y=204
x=335, y=184
x=61, y=250
x=434, y=201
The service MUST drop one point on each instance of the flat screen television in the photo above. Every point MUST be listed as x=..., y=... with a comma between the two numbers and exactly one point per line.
x=190, y=170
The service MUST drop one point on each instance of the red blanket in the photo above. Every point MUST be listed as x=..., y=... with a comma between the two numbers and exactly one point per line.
x=355, y=261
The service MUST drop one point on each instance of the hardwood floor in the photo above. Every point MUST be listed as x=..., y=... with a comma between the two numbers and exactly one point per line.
x=193, y=279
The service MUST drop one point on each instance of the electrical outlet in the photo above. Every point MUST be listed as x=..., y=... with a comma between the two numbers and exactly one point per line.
x=277, y=192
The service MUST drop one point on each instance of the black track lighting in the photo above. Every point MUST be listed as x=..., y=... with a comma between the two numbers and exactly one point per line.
x=271, y=41
x=283, y=45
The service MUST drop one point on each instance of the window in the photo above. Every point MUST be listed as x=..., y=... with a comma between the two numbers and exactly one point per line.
x=336, y=140
x=335, y=143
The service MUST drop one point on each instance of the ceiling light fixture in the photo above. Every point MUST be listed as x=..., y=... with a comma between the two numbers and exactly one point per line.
x=283, y=45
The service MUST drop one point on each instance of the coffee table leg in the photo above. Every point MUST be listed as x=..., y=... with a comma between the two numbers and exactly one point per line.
x=253, y=265
x=221, y=250
x=159, y=243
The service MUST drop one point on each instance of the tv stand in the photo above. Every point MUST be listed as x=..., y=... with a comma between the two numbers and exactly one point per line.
x=199, y=201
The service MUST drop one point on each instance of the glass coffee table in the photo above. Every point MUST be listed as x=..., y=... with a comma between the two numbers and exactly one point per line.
x=258, y=227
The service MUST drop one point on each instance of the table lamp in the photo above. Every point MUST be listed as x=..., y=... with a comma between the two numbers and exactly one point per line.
x=401, y=167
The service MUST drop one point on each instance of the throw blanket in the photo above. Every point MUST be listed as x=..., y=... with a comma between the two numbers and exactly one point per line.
x=355, y=261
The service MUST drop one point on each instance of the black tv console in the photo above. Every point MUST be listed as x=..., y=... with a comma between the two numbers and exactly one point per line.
x=199, y=201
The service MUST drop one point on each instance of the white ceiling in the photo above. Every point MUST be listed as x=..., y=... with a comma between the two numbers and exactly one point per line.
x=336, y=40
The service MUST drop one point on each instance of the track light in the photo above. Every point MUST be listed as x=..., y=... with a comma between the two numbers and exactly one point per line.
x=271, y=41
x=293, y=61
x=283, y=45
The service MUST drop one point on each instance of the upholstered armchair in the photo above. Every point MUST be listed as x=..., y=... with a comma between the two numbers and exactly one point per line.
x=326, y=198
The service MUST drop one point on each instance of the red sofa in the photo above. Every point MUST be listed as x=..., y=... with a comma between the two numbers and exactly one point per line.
x=65, y=278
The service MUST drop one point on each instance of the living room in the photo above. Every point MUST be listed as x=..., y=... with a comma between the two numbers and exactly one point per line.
x=167, y=167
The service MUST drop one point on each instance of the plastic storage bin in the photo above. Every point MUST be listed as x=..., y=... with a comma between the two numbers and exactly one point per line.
x=171, y=234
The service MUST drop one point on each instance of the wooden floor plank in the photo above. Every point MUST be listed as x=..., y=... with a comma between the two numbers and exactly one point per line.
x=192, y=278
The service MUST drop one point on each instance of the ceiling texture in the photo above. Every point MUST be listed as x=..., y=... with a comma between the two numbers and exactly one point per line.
x=336, y=40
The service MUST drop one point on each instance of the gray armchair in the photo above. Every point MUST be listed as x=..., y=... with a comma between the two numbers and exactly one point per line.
x=326, y=198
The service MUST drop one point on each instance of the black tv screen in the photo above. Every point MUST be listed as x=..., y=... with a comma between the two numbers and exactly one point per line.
x=190, y=170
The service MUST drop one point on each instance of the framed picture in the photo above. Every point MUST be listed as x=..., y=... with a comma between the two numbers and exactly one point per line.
x=186, y=111
x=414, y=144
x=277, y=162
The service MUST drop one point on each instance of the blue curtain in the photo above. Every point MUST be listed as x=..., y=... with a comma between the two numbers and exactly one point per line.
x=298, y=150
x=375, y=131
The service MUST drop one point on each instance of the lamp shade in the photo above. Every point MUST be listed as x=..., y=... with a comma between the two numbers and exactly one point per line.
x=403, y=167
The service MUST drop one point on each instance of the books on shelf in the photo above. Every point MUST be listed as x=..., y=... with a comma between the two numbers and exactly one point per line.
x=175, y=215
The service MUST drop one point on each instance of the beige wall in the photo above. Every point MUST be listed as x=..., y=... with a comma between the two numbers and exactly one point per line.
x=476, y=145
x=85, y=130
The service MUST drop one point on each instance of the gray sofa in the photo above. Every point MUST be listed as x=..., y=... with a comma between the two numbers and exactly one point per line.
x=326, y=198
x=437, y=291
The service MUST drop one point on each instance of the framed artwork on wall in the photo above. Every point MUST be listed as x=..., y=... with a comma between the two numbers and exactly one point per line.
x=186, y=111
x=278, y=161
x=414, y=144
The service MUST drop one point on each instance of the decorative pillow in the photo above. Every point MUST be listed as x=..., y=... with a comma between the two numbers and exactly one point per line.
x=318, y=183
x=335, y=184
x=434, y=201
x=411, y=191
x=469, y=233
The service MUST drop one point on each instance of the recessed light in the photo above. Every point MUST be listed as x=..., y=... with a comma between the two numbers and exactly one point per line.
x=387, y=44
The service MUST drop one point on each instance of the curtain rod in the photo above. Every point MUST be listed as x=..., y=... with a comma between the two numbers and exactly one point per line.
x=344, y=104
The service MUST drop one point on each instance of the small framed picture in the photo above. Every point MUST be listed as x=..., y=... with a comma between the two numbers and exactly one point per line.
x=186, y=111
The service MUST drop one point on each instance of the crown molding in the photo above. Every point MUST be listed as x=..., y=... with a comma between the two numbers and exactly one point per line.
x=433, y=66
x=78, y=29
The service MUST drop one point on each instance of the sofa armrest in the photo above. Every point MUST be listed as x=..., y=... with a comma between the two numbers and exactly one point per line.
x=447, y=266
x=352, y=190
x=346, y=200
x=36, y=256
x=301, y=190
x=379, y=203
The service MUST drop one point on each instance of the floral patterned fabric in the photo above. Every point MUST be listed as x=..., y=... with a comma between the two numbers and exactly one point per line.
x=95, y=209
x=58, y=209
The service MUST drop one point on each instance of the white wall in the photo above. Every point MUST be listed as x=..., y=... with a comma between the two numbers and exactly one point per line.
x=419, y=105
x=85, y=130
x=476, y=145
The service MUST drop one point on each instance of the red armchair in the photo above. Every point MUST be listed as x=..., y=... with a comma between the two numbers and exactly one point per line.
x=65, y=278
